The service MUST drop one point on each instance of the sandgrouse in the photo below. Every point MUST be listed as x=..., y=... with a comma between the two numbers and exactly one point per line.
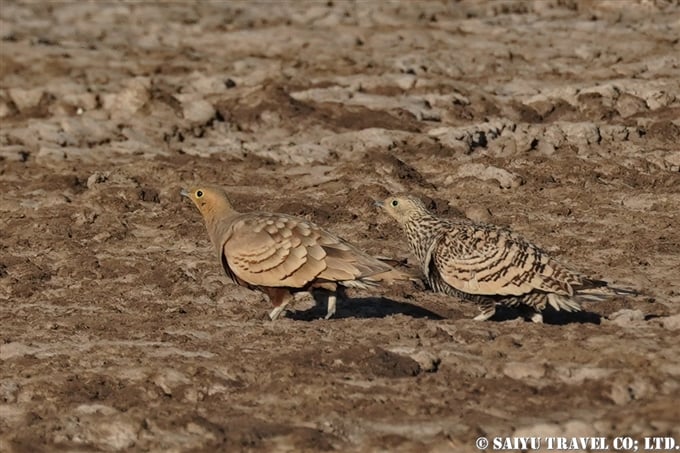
x=490, y=265
x=280, y=255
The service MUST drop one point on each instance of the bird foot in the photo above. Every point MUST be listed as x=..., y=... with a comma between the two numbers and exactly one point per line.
x=276, y=312
x=537, y=318
x=486, y=314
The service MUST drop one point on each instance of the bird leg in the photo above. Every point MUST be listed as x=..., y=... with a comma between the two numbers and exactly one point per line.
x=331, y=292
x=337, y=293
x=280, y=298
x=488, y=309
x=330, y=311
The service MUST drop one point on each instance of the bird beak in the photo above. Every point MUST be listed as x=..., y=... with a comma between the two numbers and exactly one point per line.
x=184, y=193
x=379, y=204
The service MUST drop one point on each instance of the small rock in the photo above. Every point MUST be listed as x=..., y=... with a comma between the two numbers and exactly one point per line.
x=505, y=178
x=526, y=141
x=196, y=429
x=15, y=349
x=428, y=361
x=6, y=109
x=468, y=138
x=671, y=322
x=627, y=317
x=524, y=370
x=130, y=99
x=198, y=111
x=26, y=99
x=640, y=202
x=553, y=135
x=405, y=81
x=9, y=391
x=96, y=409
x=87, y=131
x=658, y=99
x=607, y=91
x=97, y=178
x=578, y=428
x=672, y=159
x=574, y=375
x=114, y=435
x=199, y=82
x=149, y=194
x=670, y=368
x=546, y=148
x=581, y=133
x=504, y=146
x=543, y=107
x=17, y=153
x=628, y=105
x=623, y=392
x=355, y=144
x=614, y=133
x=85, y=101
x=478, y=214
x=586, y=52
x=169, y=379
x=539, y=430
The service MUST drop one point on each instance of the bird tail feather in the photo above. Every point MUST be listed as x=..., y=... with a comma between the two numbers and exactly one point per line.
x=561, y=302
x=600, y=293
x=393, y=275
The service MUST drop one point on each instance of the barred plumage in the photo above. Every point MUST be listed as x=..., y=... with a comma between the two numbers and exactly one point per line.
x=490, y=265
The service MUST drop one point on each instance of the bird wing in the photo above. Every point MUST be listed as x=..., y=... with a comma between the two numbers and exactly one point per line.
x=276, y=250
x=486, y=260
x=346, y=262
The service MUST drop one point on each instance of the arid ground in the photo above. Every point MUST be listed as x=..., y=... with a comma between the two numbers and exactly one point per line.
x=118, y=329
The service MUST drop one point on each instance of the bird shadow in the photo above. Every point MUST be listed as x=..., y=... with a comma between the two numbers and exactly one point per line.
x=364, y=308
x=550, y=316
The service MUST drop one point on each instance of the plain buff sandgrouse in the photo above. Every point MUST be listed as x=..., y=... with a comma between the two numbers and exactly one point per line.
x=280, y=255
x=490, y=265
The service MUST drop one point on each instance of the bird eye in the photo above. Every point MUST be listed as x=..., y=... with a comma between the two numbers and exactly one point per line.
x=395, y=202
x=199, y=194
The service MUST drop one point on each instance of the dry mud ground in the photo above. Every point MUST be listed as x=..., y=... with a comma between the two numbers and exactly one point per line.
x=118, y=329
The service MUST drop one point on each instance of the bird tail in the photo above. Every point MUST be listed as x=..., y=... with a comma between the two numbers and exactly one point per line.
x=598, y=290
x=400, y=271
x=561, y=302
x=392, y=276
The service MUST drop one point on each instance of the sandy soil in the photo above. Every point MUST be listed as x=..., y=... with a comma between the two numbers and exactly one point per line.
x=118, y=330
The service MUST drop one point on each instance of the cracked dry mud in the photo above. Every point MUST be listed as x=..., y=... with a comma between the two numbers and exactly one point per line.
x=118, y=330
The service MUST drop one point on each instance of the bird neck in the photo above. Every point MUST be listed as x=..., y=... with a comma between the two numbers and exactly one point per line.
x=217, y=218
x=421, y=229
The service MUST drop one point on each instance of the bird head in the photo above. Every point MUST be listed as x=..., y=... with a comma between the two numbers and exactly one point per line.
x=210, y=200
x=403, y=208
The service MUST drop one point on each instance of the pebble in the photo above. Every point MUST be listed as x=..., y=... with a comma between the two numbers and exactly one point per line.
x=524, y=370
x=129, y=100
x=25, y=99
x=627, y=318
x=97, y=177
x=478, y=214
x=540, y=430
x=198, y=111
x=169, y=379
x=581, y=133
x=505, y=179
x=671, y=322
